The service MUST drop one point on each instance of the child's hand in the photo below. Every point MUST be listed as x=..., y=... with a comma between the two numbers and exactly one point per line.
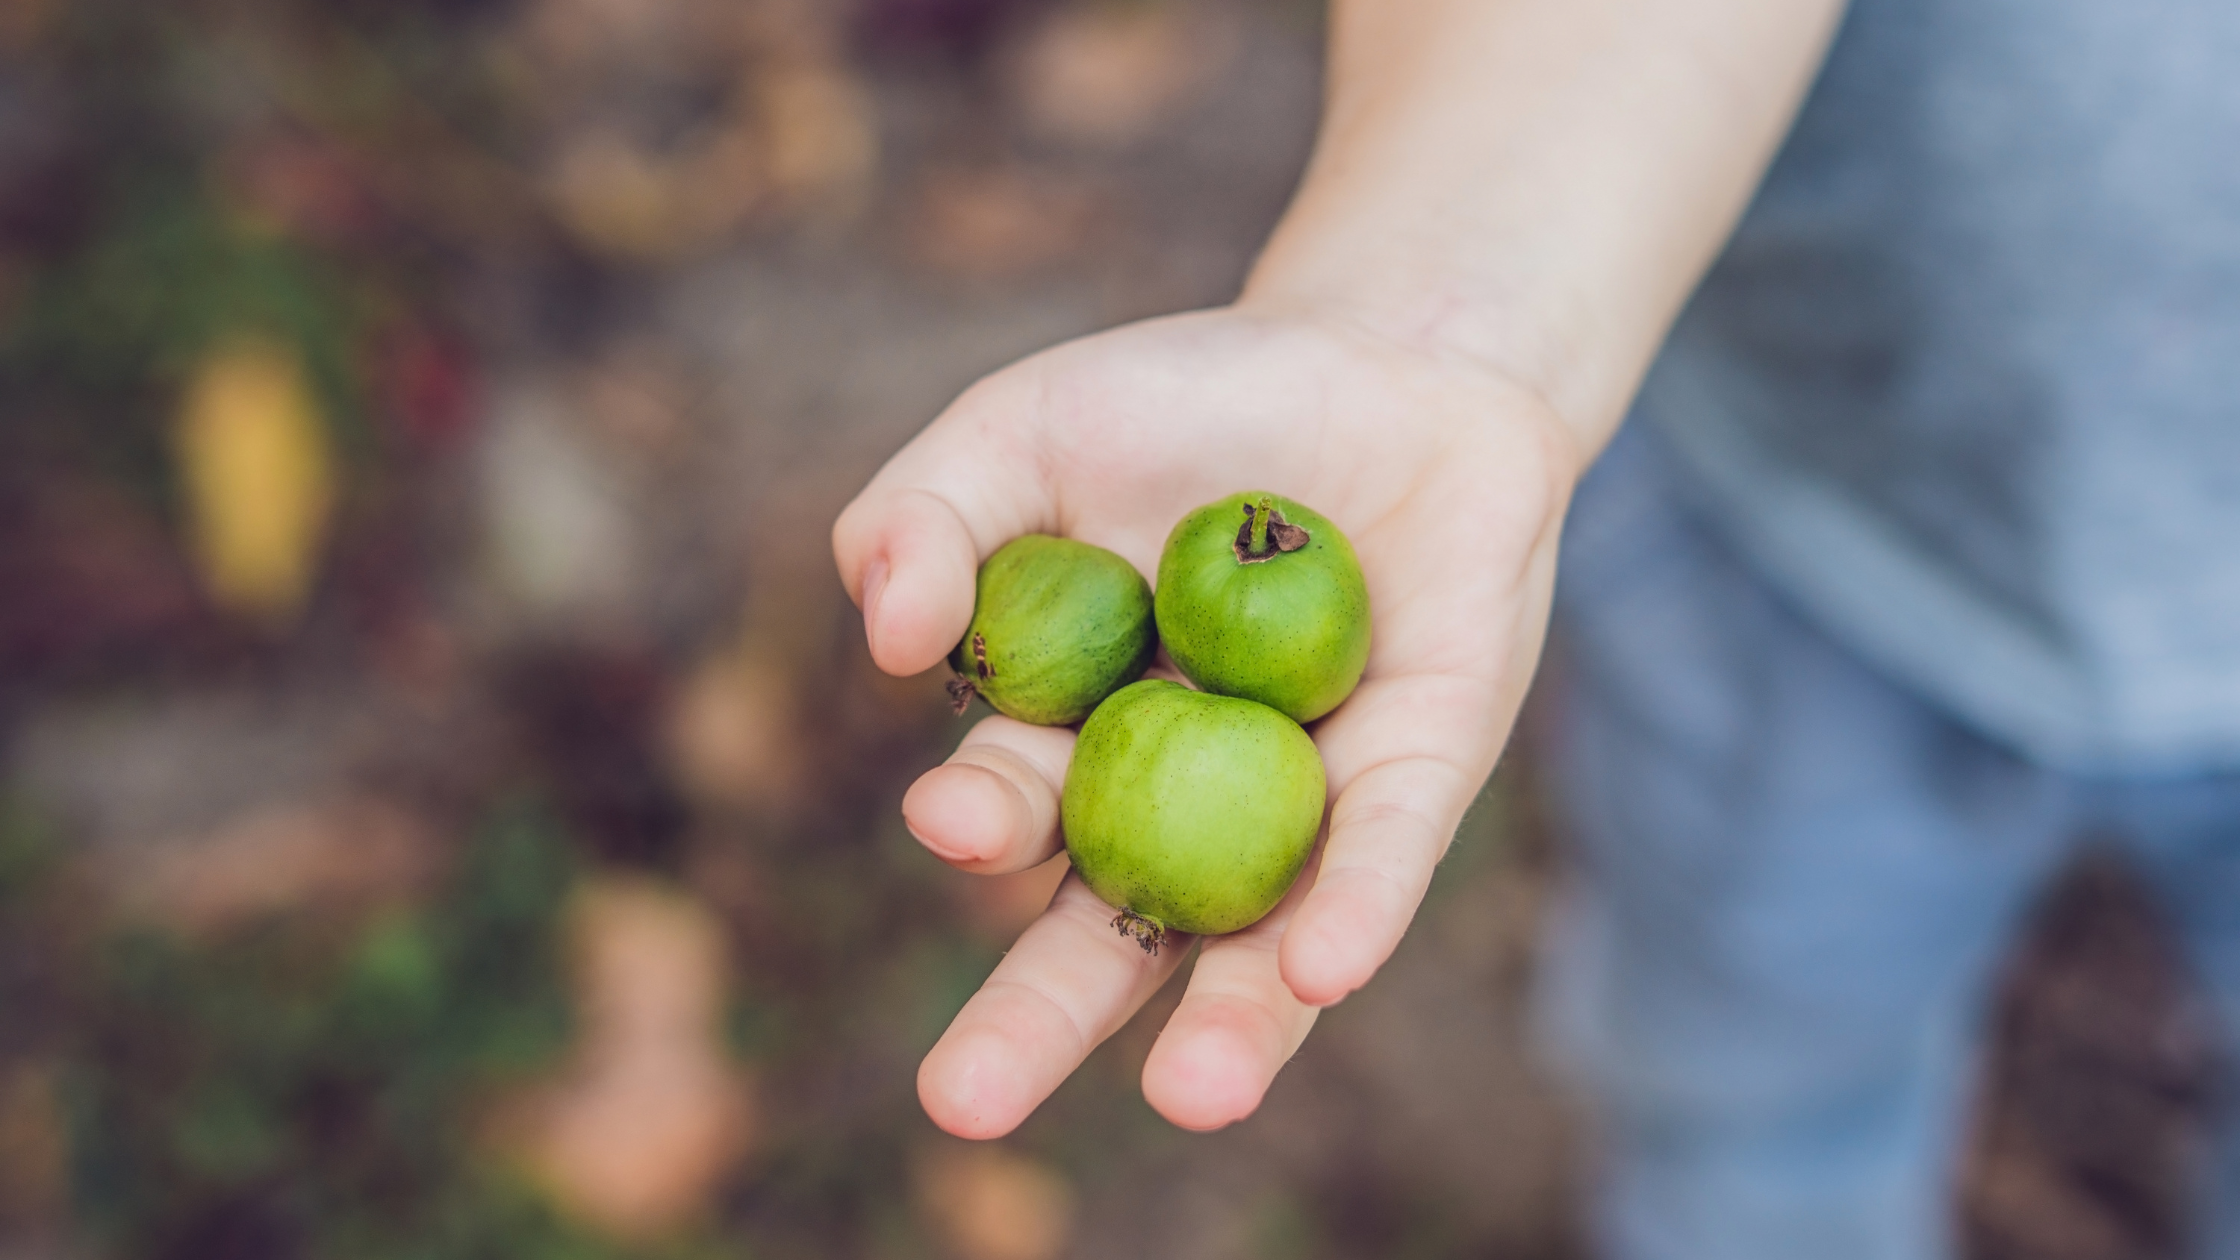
x=1451, y=483
x=1520, y=195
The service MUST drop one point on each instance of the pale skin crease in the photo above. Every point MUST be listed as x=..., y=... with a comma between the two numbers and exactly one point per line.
x=1507, y=205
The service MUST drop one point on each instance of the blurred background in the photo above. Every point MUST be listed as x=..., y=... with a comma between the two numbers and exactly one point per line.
x=446, y=809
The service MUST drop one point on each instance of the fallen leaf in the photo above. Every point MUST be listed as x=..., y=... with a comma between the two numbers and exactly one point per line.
x=1111, y=74
x=986, y=1203
x=820, y=132
x=732, y=731
x=999, y=221
x=637, y=1131
x=342, y=854
x=617, y=198
x=561, y=528
x=257, y=476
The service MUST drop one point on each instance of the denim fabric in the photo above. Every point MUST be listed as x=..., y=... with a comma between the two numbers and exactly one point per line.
x=1967, y=378
x=1795, y=877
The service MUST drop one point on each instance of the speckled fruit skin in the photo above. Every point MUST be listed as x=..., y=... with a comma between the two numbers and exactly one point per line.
x=1062, y=624
x=1291, y=632
x=1194, y=811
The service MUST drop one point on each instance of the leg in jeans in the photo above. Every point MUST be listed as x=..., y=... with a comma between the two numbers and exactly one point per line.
x=1793, y=878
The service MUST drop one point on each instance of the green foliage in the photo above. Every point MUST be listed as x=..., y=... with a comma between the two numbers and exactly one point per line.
x=319, y=1090
x=27, y=850
x=107, y=329
x=168, y=277
x=154, y=256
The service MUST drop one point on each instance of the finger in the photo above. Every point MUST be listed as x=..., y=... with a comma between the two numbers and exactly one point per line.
x=1067, y=984
x=915, y=559
x=1407, y=753
x=1406, y=756
x=992, y=808
x=909, y=546
x=1235, y=1029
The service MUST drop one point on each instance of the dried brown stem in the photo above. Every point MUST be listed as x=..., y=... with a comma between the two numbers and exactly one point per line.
x=1265, y=534
x=1148, y=933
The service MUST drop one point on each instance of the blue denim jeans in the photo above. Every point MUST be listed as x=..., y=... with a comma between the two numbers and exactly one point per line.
x=1795, y=879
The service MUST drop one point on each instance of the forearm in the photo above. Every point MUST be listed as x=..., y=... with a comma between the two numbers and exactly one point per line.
x=1538, y=183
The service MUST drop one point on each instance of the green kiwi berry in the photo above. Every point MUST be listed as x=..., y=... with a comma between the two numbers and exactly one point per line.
x=1261, y=597
x=1057, y=626
x=1190, y=812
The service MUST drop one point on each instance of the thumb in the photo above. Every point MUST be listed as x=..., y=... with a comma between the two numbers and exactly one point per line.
x=911, y=543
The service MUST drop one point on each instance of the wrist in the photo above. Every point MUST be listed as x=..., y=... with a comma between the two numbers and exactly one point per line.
x=1454, y=385
x=1450, y=326
x=1536, y=187
x=1452, y=305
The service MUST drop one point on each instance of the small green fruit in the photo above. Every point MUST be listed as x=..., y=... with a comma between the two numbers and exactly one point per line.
x=1057, y=626
x=1261, y=597
x=1190, y=812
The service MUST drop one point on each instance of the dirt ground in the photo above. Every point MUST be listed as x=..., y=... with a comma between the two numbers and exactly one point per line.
x=594, y=578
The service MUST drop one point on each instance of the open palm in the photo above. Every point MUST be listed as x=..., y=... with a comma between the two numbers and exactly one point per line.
x=1451, y=484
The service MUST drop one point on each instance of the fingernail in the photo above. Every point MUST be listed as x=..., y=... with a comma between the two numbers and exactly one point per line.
x=874, y=585
x=947, y=853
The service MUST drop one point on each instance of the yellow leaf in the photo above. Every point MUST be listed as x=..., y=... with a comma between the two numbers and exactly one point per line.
x=258, y=476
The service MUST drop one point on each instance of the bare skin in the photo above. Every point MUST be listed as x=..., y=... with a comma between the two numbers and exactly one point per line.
x=1507, y=206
